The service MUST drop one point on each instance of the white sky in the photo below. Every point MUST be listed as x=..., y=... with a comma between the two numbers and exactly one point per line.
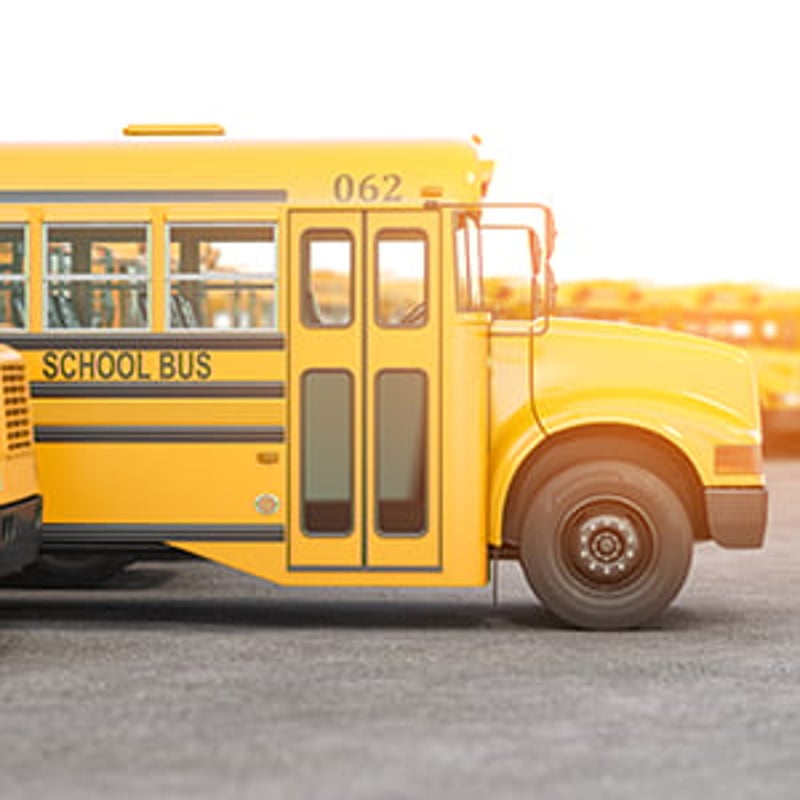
x=664, y=134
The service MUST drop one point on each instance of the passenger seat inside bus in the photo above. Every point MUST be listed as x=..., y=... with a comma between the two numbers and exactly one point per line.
x=181, y=312
x=61, y=314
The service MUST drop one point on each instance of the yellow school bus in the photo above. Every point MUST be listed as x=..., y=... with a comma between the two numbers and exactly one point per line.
x=20, y=500
x=776, y=355
x=604, y=299
x=761, y=319
x=277, y=356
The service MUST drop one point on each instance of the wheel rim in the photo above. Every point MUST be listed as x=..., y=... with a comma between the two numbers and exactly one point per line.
x=607, y=544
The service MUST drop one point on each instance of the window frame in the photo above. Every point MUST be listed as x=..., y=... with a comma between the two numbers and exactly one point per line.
x=469, y=281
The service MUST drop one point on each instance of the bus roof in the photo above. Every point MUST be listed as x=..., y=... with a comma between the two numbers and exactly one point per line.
x=301, y=173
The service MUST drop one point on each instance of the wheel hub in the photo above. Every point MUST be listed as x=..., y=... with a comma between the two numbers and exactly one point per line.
x=608, y=547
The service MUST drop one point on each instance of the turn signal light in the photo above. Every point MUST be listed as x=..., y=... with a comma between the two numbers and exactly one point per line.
x=738, y=459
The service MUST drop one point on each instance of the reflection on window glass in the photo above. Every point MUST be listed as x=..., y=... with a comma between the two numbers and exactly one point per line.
x=13, y=278
x=327, y=471
x=507, y=272
x=468, y=265
x=222, y=276
x=97, y=276
x=402, y=278
x=402, y=452
x=327, y=278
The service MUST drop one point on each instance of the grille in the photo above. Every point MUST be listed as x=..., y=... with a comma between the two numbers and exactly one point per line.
x=17, y=407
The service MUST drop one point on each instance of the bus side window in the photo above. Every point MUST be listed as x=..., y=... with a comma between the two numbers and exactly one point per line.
x=222, y=276
x=96, y=275
x=13, y=277
x=327, y=270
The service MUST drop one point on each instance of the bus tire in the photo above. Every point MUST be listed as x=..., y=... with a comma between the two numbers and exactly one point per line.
x=606, y=544
x=75, y=569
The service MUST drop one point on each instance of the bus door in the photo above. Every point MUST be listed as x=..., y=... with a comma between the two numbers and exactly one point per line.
x=365, y=389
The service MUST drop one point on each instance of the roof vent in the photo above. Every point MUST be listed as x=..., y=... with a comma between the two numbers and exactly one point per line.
x=211, y=129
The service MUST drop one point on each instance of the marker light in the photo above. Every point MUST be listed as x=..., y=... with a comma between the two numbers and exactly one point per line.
x=737, y=459
x=267, y=503
x=211, y=129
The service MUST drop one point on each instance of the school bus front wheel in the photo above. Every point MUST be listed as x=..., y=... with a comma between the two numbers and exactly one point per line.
x=606, y=544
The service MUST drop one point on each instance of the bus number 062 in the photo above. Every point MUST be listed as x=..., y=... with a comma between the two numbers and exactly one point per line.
x=371, y=188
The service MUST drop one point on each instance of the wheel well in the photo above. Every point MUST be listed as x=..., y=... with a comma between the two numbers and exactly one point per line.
x=624, y=443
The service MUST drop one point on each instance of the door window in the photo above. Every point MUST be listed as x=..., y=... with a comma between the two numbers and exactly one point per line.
x=327, y=282
x=402, y=278
x=401, y=452
x=327, y=471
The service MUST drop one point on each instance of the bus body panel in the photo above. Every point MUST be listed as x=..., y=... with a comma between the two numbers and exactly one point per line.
x=694, y=395
x=763, y=320
x=385, y=173
x=697, y=393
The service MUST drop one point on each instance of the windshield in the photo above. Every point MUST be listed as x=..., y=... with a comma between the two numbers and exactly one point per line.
x=468, y=264
x=502, y=260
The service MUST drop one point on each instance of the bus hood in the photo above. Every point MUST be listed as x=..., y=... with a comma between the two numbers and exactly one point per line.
x=616, y=372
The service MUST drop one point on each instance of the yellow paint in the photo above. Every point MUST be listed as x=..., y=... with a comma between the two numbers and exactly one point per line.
x=306, y=170
x=119, y=483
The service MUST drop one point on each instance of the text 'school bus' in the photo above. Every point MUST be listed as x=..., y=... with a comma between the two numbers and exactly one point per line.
x=20, y=501
x=277, y=356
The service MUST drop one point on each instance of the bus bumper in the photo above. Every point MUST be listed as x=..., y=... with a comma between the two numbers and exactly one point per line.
x=737, y=517
x=20, y=534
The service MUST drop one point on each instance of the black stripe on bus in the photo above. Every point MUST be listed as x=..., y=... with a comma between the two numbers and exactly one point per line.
x=158, y=389
x=158, y=434
x=91, y=533
x=144, y=341
x=145, y=196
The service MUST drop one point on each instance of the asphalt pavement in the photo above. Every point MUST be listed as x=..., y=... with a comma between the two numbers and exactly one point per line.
x=190, y=680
